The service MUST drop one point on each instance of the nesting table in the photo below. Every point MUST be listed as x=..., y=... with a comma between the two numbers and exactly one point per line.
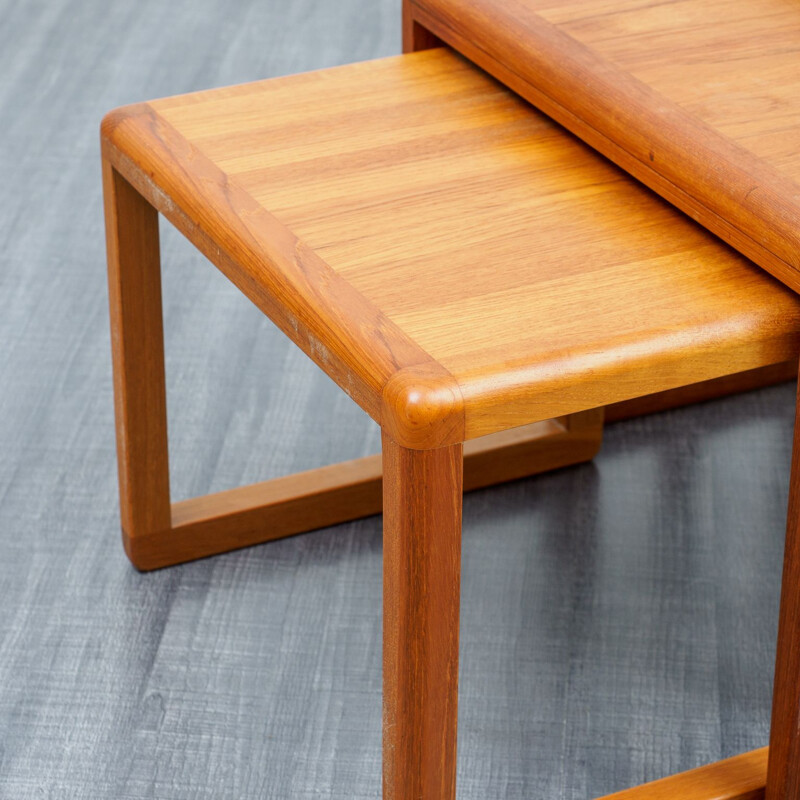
x=481, y=283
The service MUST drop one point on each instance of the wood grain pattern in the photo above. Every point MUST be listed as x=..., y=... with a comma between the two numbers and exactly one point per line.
x=784, y=761
x=430, y=203
x=421, y=597
x=224, y=521
x=664, y=90
x=739, y=778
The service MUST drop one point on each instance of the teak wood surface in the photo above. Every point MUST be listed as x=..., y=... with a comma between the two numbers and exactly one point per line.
x=453, y=260
x=461, y=268
x=696, y=98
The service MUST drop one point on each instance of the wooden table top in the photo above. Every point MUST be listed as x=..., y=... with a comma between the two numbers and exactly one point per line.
x=699, y=99
x=443, y=250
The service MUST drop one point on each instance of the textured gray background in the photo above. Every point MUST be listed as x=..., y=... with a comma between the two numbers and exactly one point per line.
x=618, y=619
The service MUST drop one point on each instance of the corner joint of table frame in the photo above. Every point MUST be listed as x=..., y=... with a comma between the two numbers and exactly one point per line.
x=144, y=550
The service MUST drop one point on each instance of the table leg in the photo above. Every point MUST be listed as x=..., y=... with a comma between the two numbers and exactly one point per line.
x=783, y=776
x=421, y=585
x=415, y=37
x=137, y=342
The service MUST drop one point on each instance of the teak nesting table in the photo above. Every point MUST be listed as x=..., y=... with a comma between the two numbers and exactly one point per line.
x=477, y=280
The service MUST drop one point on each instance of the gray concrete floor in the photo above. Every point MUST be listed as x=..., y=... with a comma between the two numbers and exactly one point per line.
x=618, y=618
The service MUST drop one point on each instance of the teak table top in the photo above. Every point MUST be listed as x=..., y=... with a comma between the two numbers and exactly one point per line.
x=699, y=99
x=451, y=257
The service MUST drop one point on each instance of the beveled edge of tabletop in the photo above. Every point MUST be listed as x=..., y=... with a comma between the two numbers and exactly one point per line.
x=719, y=183
x=408, y=393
